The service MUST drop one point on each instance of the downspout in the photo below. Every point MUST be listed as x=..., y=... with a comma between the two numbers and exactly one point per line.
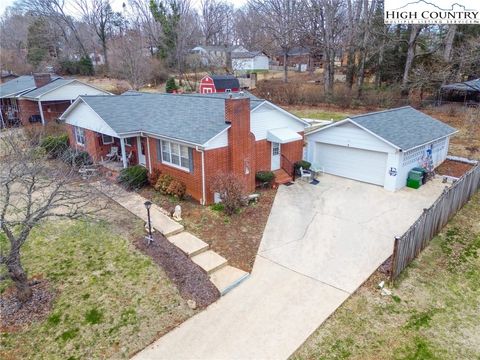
x=149, y=156
x=203, y=202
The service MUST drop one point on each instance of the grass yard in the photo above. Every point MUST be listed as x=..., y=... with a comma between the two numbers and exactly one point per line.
x=110, y=300
x=317, y=113
x=434, y=312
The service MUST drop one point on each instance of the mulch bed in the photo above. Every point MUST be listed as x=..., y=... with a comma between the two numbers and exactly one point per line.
x=453, y=168
x=192, y=282
x=236, y=238
x=15, y=315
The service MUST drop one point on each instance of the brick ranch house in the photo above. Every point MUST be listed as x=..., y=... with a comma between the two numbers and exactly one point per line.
x=39, y=98
x=191, y=137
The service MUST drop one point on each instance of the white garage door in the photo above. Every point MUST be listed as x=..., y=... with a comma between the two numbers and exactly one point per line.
x=358, y=164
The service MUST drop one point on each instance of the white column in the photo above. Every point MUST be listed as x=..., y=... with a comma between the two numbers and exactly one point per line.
x=41, y=112
x=124, y=153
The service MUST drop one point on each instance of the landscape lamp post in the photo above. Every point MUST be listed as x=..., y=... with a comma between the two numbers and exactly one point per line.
x=148, y=204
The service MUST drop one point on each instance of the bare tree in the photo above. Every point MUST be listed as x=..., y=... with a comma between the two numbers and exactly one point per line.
x=215, y=21
x=56, y=9
x=32, y=190
x=447, y=51
x=281, y=18
x=100, y=16
x=412, y=44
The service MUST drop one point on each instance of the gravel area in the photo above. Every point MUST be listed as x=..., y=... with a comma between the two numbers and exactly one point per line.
x=453, y=168
x=192, y=282
x=15, y=315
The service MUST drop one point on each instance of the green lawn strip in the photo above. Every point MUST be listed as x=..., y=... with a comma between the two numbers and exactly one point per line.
x=110, y=299
x=433, y=314
x=318, y=114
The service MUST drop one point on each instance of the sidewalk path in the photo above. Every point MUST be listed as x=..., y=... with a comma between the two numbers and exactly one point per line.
x=135, y=204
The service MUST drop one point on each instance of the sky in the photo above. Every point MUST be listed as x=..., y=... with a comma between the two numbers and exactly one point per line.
x=117, y=4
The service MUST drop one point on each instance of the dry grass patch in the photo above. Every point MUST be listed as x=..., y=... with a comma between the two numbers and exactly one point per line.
x=433, y=313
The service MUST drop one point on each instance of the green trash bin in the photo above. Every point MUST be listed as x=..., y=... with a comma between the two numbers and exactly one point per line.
x=415, y=179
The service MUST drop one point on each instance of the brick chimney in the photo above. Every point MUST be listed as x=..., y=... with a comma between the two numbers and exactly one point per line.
x=41, y=79
x=241, y=140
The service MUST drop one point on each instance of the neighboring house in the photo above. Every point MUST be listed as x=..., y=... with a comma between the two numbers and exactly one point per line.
x=97, y=58
x=380, y=147
x=220, y=56
x=218, y=84
x=191, y=137
x=300, y=58
x=467, y=91
x=7, y=76
x=249, y=61
x=39, y=98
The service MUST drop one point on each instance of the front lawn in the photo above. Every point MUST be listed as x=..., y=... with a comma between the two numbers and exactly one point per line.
x=434, y=311
x=110, y=300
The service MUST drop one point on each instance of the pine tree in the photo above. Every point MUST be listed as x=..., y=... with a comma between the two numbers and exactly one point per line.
x=38, y=41
x=171, y=86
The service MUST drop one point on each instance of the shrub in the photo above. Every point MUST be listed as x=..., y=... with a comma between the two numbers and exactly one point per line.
x=265, y=176
x=153, y=176
x=133, y=177
x=217, y=207
x=163, y=183
x=177, y=189
x=55, y=146
x=171, y=86
x=231, y=190
x=76, y=158
x=305, y=165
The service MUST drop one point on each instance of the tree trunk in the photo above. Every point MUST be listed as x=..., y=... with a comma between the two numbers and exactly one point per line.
x=105, y=56
x=381, y=57
x=285, y=67
x=412, y=42
x=19, y=277
x=447, y=52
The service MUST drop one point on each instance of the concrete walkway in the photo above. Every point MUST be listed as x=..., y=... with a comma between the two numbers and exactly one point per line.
x=320, y=243
x=135, y=204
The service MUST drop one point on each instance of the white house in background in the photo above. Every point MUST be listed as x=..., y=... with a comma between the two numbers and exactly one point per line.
x=380, y=147
x=213, y=55
x=249, y=61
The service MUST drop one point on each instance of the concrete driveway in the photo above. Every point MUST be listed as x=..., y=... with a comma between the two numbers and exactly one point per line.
x=341, y=230
x=321, y=242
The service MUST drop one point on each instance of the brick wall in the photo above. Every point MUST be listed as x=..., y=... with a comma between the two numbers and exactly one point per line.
x=263, y=155
x=241, y=141
x=53, y=109
x=27, y=108
x=293, y=151
x=193, y=180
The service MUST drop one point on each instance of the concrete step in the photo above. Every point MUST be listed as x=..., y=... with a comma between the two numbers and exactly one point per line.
x=188, y=243
x=227, y=278
x=209, y=261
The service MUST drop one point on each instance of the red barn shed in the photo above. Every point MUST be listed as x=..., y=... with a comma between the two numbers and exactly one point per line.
x=219, y=84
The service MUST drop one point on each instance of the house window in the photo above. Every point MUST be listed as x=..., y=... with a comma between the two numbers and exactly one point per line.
x=79, y=135
x=107, y=139
x=176, y=155
x=129, y=141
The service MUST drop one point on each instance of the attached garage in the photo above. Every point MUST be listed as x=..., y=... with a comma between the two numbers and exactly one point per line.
x=363, y=165
x=379, y=148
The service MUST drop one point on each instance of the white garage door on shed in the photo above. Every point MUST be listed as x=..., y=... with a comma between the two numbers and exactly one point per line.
x=363, y=165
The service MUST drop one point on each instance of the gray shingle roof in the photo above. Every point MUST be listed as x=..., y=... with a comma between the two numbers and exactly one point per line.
x=194, y=119
x=225, y=82
x=16, y=86
x=254, y=101
x=404, y=127
x=246, y=54
x=472, y=85
x=52, y=85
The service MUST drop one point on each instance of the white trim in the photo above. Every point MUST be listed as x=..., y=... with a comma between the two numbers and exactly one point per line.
x=205, y=144
x=65, y=84
x=41, y=112
x=107, y=143
x=170, y=163
x=281, y=110
x=440, y=138
x=149, y=157
x=75, y=129
x=338, y=123
x=204, y=200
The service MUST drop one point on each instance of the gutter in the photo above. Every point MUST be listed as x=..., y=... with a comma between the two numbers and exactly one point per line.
x=204, y=201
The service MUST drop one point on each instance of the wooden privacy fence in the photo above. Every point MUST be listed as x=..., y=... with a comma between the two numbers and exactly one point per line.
x=433, y=220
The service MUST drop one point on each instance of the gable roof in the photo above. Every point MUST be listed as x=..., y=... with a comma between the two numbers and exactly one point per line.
x=53, y=85
x=17, y=86
x=225, y=81
x=254, y=101
x=191, y=118
x=247, y=54
x=404, y=128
